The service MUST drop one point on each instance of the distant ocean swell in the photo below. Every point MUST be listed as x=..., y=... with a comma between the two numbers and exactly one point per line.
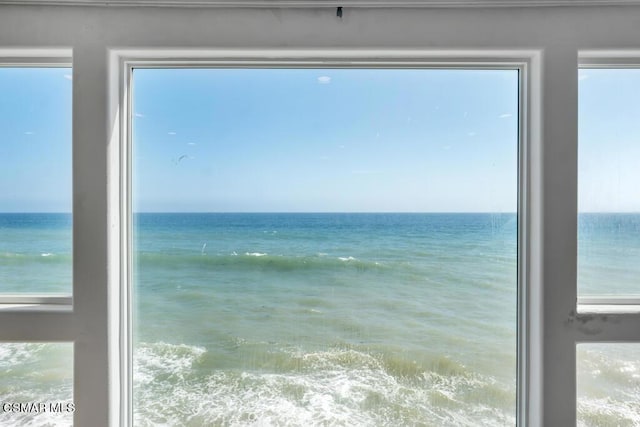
x=256, y=260
x=30, y=259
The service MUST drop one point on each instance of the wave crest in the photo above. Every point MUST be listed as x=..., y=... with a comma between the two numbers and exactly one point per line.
x=256, y=260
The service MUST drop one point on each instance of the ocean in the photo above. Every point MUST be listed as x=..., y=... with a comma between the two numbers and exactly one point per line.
x=319, y=319
x=35, y=253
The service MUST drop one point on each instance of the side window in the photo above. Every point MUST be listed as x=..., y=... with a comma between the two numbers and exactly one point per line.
x=608, y=176
x=35, y=181
x=608, y=385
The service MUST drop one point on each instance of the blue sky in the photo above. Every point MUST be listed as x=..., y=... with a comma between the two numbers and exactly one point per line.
x=609, y=140
x=317, y=140
x=35, y=146
x=325, y=140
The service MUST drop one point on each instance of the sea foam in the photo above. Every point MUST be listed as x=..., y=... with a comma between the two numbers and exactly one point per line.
x=338, y=386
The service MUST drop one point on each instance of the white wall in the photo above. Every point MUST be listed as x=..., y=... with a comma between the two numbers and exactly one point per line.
x=558, y=32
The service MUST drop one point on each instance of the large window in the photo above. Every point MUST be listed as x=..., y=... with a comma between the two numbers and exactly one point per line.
x=325, y=246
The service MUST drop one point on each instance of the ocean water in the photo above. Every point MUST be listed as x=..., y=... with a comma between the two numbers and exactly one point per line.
x=608, y=384
x=320, y=319
x=609, y=254
x=325, y=319
x=35, y=253
x=36, y=373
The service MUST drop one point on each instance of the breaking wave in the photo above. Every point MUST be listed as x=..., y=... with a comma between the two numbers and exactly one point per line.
x=339, y=386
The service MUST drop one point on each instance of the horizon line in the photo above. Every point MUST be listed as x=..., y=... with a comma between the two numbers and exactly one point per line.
x=314, y=212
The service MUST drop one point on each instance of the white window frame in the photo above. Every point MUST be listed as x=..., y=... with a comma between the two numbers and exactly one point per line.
x=527, y=63
x=619, y=304
x=557, y=40
x=36, y=58
x=606, y=319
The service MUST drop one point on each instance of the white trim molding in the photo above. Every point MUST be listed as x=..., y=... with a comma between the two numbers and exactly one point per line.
x=326, y=3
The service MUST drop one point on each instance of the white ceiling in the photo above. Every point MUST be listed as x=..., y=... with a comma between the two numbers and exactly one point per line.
x=325, y=3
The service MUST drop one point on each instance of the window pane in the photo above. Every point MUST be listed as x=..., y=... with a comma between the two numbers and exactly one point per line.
x=325, y=247
x=35, y=180
x=608, y=177
x=608, y=385
x=36, y=384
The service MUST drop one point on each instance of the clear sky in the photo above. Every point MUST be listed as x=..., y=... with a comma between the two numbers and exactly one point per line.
x=35, y=140
x=609, y=140
x=318, y=140
x=325, y=140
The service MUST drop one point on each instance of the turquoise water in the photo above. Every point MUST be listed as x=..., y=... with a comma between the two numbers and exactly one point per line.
x=325, y=319
x=321, y=319
x=609, y=254
x=35, y=253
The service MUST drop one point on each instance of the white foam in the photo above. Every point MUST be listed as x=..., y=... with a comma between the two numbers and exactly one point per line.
x=255, y=254
x=334, y=387
x=350, y=258
x=608, y=386
x=620, y=412
x=162, y=359
x=45, y=419
x=14, y=354
x=24, y=362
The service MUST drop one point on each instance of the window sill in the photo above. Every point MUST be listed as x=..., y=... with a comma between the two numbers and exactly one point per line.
x=608, y=308
x=614, y=305
x=39, y=303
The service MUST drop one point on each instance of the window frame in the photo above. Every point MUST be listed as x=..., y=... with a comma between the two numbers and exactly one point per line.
x=37, y=301
x=606, y=319
x=39, y=317
x=101, y=37
x=527, y=63
x=599, y=304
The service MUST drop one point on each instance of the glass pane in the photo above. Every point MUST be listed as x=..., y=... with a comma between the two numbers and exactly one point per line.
x=35, y=180
x=608, y=385
x=36, y=384
x=608, y=177
x=325, y=247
